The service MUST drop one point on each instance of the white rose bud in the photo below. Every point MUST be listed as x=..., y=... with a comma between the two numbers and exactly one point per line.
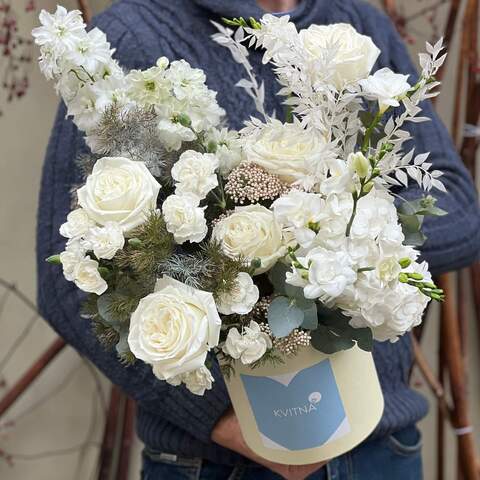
x=242, y=299
x=105, y=241
x=88, y=278
x=386, y=87
x=173, y=328
x=248, y=346
x=355, y=53
x=184, y=218
x=251, y=232
x=194, y=173
x=78, y=224
x=119, y=190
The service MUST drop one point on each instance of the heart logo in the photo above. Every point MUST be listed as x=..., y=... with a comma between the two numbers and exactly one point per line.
x=300, y=410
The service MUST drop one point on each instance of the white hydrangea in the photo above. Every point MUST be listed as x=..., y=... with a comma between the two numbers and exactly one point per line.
x=184, y=218
x=195, y=172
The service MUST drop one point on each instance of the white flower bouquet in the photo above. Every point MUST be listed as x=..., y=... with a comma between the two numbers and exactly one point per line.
x=258, y=245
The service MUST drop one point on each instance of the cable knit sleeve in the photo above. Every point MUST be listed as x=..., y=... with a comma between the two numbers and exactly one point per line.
x=59, y=301
x=453, y=240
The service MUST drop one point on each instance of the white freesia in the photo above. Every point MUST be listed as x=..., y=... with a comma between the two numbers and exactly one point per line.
x=184, y=218
x=194, y=172
x=173, y=328
x=105, y=241
x=119, y=190
x=358, y=163
x=78, y=224
x=253, y=233
x=196, y=381
x=241, y=299
x=355, y=54
x=248, y=346
x=88, y=278
x=327, y=273
x=386, y=87
x=284, y=149
x=228, y=149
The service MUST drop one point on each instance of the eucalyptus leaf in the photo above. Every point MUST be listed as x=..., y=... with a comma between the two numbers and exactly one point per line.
x=310, y=319
x=326, y=341
x=284, y=316
x=104, y=303
x=276, y=275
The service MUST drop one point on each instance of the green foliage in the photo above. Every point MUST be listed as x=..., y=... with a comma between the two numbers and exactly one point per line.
x=241, y=22
x=271, y=357
x=106, y=334
x=224, y=270
x=411, y=215
x=191, y=269
x=154, y=244
x=334, y=333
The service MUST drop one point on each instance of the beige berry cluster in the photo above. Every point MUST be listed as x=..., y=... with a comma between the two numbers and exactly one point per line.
x=290, y=344
x=252, y=183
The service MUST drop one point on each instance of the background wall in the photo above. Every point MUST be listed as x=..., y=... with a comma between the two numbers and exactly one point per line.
x=74, y=415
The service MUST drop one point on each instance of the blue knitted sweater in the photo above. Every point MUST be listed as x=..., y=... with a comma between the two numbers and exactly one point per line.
x=170, y=418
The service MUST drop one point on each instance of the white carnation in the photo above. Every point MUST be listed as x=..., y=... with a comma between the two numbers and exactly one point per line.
x=243, y=297
x=88, y=278
x=78, y=224
x=196, y=381
x=248, y=346
x=386, y=87
x=74, y=253
x=194, y=173
x=105, y=241
x=184, y=218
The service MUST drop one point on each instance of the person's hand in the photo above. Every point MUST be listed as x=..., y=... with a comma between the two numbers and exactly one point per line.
x=227, y=433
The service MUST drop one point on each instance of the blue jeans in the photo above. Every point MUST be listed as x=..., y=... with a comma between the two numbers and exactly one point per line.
x=396, y=457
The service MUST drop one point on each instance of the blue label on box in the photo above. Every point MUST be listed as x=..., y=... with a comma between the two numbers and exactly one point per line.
x=298, y=410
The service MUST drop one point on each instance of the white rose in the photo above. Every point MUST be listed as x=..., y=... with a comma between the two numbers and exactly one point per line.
x=173, y=134
x=194, y=173
x=197, y=381
x=78, y=224
x=174, y=328
x=119, y=190
x=184, y=218
x=74, y=253
x=284, y=149
x=329, y=273
x=386, y=87
x=87, y=277
x=243, y=297
x=105, y=241
x=248, y=346
x=355, y=53
x=253, y=233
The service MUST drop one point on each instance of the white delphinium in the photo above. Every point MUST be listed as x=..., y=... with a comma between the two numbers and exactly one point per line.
x=197, y=381
x=386, y=87
x=184, y=218
x=301, y=213
x=241, y=299
x=249, y=346
x=228, y=148
x=195, y=172
x=59, y=32
x=87, y=277
x=105, y=241
x=173, y=134
x=78, y=224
